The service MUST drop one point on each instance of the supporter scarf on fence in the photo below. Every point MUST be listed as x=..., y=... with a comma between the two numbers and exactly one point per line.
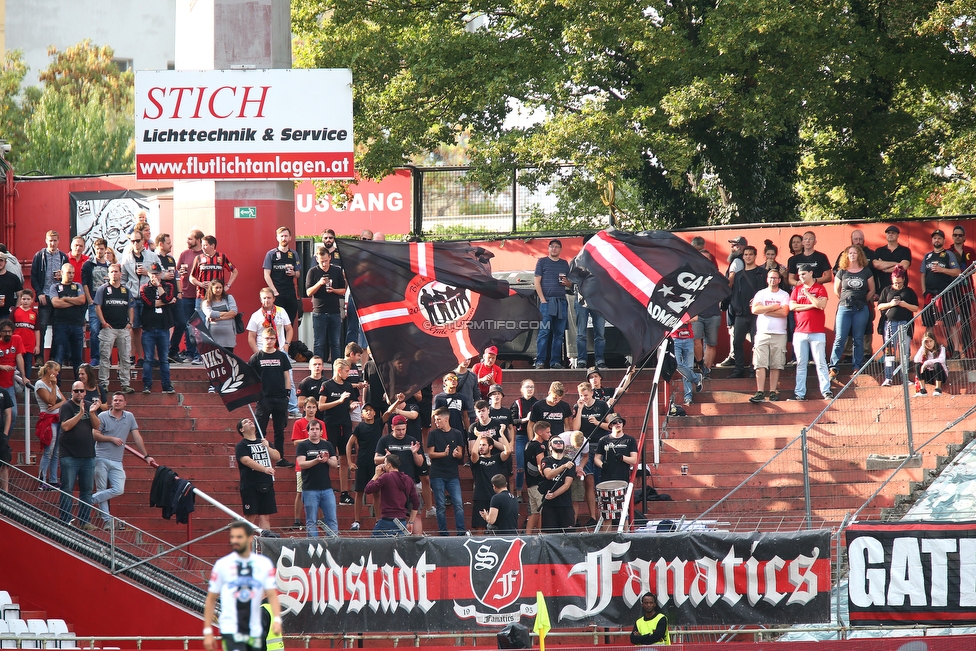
x=425, y=306
x=232, y=378
x=647, y=284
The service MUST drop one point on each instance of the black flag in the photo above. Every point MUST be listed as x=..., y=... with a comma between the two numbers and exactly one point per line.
x=647, y=284
x=426, y=306
x=230, y=376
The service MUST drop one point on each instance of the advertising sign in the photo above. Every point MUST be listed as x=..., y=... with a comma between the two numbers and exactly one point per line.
x=456, y=584
x=912, y=572
x=244, y=124
x=382, y=206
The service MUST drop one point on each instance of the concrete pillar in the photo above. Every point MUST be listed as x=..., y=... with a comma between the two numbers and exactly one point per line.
x=221, y=35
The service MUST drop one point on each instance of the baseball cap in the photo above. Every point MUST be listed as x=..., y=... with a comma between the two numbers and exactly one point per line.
x=739, y=240
x=892, y=229
x=492, y=349
x=938, y=232
x=496, y=388
x=613, y=418
x=154, y=268
x=399, y=420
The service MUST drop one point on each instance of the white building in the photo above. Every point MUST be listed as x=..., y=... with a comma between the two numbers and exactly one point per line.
x=141, y=32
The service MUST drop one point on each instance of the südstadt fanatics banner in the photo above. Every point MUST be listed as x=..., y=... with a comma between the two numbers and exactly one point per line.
x=912, y=572
x=243, y=124
x=456, y=584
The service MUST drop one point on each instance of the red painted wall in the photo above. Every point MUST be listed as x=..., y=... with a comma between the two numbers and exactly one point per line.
x=88, y=598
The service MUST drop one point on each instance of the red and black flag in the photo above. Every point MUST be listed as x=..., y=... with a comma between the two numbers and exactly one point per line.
x=231, y=377
x=647, y=284
x=425, y=306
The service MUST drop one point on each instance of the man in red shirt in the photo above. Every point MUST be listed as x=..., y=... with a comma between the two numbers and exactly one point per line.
x=11, y=359
x=809, y=301
x=77, y=257
x=211, y=265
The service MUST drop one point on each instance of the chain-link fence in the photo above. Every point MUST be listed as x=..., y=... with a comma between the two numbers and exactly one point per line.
x=886, y=433
x=449, y=201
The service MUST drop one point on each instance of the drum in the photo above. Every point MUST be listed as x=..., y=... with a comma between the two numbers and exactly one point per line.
x=610, y=498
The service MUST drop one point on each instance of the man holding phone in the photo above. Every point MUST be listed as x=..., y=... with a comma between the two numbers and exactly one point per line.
x=77, y=448
x=445, y=447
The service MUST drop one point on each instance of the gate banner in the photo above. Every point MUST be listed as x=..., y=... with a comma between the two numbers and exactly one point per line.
x=456, y=584
x=912, y=572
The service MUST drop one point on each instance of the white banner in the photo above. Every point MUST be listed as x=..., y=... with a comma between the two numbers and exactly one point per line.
x=244, y=124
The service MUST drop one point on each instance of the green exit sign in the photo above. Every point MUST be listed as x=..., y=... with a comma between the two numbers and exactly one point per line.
x=246, y=212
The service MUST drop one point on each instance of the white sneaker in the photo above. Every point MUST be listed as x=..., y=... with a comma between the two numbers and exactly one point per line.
x=431, y=512
x=886, y=383
x=937, y=392
x=572, y=362
x=354, y=527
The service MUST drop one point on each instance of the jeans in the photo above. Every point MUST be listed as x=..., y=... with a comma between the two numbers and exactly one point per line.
x=599, y=338
x=353, y=329
x=386, y=528
x=520, y=442
x=82, y=470
x=68, y=342
x=438, y=486
x=891, y=328
x=853, y=324
x=551, y=328
x=155, y=343
x=11, y=391
x=94, y=343
x=49, y=458
x=326, y=329
x=684, y=352
x=107, y=473
x=745, y=324
x=185, y=307
x=315, y=500
x=804, y=345
x=121, y=339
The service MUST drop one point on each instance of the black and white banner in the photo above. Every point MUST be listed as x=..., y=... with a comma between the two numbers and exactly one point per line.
x=910, y=573
x=456, y=584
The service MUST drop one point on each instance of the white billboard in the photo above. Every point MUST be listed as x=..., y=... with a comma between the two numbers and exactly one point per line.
x=244, y=124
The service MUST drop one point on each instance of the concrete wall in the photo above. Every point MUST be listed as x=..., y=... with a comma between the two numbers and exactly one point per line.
x=136, y=29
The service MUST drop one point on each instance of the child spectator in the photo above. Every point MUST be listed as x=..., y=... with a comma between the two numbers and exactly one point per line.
x=25, y=325
x=930, y=365
x=487, y=372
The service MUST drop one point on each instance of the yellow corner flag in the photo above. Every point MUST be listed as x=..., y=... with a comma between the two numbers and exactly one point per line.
x=541, y=620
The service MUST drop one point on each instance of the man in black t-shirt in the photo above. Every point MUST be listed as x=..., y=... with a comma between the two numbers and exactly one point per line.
x=282, y=268
x=588, y=417
x=94, y=274
x=76, y=445
x=809, y=255
x=364, y=438
x=10, y=288
x=485, y=425
x=458, y=405
x=553, y=409
x=502, y=513
x=337, y=398
x=272, y=367
x=404, y=446
x=558, y=473
x=486, y=462
x=255, y=463
x=616, y=453
x=315, y=456
x=113, y=306
x=326, y=285
x=158, y=298
x=535, y=452
x=445, y=448
x=311, y=385
x=69, y=303
x=887, y=257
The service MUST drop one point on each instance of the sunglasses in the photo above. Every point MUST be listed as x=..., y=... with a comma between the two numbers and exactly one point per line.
x=77, y=391
x=139, y=240
x=959, y=235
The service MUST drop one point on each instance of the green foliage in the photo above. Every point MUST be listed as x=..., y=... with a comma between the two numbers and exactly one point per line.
x=705, y=111
x=80, y=122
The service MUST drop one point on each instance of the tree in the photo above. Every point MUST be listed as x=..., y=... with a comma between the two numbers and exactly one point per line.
x=710, y=112
x=80, y=122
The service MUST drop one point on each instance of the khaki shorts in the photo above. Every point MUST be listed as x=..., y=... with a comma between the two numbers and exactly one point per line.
x=298, y=482
x=535, y=499
x=577, y=489
x=770, y=351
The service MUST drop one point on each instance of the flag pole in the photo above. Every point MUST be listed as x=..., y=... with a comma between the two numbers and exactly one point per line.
x=255, y=419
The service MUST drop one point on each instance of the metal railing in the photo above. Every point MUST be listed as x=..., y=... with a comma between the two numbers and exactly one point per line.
x=167, y=569
x=863, y=453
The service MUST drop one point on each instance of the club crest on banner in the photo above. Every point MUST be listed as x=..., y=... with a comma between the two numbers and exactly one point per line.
x=497, y=576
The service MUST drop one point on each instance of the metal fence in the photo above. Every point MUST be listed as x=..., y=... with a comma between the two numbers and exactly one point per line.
x=873, y=445
x=449, y=201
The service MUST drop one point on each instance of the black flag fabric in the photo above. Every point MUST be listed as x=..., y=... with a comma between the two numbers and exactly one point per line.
x=647, y=284
x=231, y=377
x=425, y=306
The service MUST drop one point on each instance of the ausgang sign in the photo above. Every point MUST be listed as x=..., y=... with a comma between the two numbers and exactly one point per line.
x=244, y=124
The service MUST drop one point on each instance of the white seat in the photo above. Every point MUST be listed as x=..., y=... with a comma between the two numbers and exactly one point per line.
x=5, y=630
x=18, y=627
x=8, y=609
x=57, y=628
x=37, y=626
